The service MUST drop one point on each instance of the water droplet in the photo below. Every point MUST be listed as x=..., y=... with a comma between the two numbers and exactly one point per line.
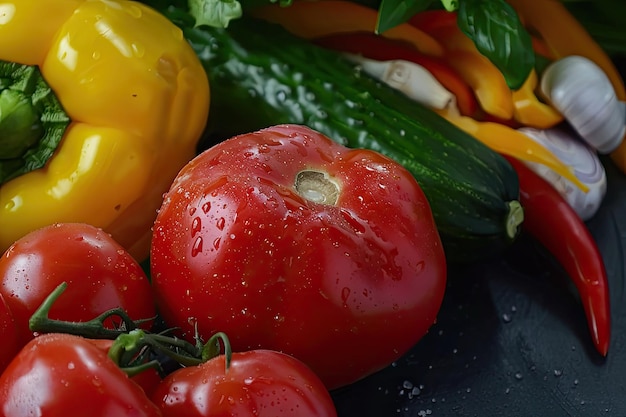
x=345, y=294
x=216, y=243
x=134, y=11
x=519, y=376
x=206, y=207
x=95, y=55
x=138, y=49
x=197, y=246
x=506, y=318
x=177, y=33
x=96, y=381
x=221, y=223
x=196, y=226
x=558, y=372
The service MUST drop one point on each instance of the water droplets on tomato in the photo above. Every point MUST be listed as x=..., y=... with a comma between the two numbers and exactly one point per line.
x=419, y=267
x=345, y=294
x=196, y=226
x=221, y=223
x=197, y=246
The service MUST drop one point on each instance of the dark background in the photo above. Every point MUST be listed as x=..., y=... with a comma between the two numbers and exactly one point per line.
x=512, y=339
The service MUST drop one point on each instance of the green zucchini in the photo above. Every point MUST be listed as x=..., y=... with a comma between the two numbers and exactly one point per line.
x=261, y=75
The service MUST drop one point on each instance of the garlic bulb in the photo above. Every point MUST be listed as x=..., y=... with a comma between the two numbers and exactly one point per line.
x=583, y=160
x=581, y=91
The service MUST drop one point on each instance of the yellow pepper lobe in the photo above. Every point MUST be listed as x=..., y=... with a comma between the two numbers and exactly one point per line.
x=96, y=173
x=27, y=28
x=138, y=98
x=114, y=65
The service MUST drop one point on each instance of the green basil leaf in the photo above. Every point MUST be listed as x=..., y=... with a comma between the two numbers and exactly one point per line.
x=498, y=33
x=394, y=12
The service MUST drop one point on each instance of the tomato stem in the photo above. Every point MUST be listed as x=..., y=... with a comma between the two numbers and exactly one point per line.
x=40, y=321
x=132, y=347
x=317, y=187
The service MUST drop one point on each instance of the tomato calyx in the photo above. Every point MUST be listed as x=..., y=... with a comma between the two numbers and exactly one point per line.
x=133, y=349
x=317, y=186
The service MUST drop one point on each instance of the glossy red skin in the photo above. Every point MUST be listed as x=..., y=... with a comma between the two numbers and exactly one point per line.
x=347, y=289
x=258, y=383
x=100, y=275
x=66, y=376
x=9, y=345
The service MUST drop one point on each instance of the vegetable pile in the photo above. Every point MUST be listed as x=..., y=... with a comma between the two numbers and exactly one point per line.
x=235, y=208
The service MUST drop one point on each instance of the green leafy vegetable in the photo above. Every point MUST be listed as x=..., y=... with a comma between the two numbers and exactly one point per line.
x=450, y=5
x=498, y=33
x=216, y=13
x=394, y=12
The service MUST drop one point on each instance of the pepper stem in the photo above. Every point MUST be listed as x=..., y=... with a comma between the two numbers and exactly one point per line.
x=32, y=120
x=19, y=125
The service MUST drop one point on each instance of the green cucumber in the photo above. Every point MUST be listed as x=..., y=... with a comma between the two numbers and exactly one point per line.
x=261, y=75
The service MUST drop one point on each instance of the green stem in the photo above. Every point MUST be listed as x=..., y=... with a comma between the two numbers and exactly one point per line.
x=132, y=347
x=32, y=120
x=41, y=322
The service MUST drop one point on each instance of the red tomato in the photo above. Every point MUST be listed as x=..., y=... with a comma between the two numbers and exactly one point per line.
x=258, y=383
x=65, y=375
x=100, y=275
x=245, y=244
x=9, y=346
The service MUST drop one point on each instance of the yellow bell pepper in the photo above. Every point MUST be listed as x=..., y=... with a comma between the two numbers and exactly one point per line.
x=137, y=98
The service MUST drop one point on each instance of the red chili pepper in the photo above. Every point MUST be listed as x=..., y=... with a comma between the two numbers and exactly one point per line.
x=550, y=219
x=376, y=47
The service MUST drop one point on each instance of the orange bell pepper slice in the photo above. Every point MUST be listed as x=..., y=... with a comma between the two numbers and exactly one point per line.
x=488, y=83
x=315, y=19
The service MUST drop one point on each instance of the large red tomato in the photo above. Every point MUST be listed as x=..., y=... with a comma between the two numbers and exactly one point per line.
x=258, y=383
x=100, y=275
x=286, y=240
x=9, y=346
x=67, y=376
